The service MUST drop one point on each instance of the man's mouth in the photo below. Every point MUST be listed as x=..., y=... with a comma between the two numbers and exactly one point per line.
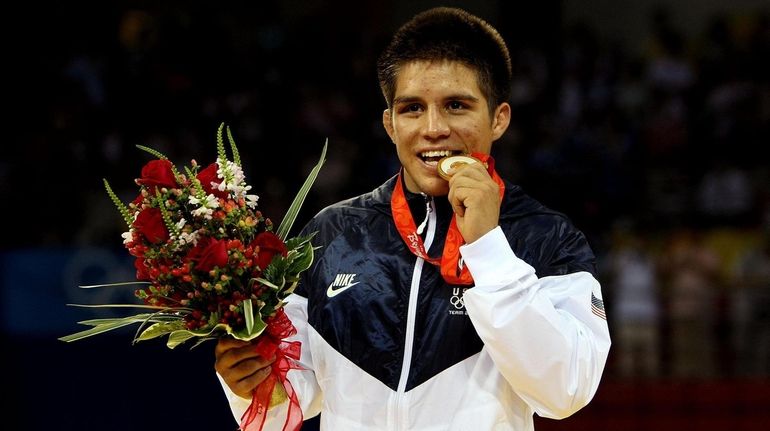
x=432, y=157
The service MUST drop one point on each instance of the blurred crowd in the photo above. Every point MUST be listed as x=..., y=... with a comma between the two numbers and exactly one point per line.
x=659, y=154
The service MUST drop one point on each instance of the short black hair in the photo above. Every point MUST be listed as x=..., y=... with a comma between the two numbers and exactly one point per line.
x=453, y=34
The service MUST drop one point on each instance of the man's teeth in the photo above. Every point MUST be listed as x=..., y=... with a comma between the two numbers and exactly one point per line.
x=436, y=153
x=432, y=157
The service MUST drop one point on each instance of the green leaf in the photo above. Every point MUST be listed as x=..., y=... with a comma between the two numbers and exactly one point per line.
x=105, y=327
x=303, y=260
x=154, y=152
x=202, y=340
x=178, y=334
x=166, y=215
x=299, y=241
x=150, y=318
x=259, y=327
x=127, y=217
x=151, y=307
x=124, y=283
x=289, y=290
x=254, y=323
x=266, y=283
x=296, y=204
x=248, y=314
x=161, y=328
x=233, y=148
x=221, y=155
x=179, y=337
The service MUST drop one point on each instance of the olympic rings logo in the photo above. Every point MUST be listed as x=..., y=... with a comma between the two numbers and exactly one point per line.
x=457, y=299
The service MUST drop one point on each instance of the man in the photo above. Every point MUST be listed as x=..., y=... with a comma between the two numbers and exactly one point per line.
x=399, y=330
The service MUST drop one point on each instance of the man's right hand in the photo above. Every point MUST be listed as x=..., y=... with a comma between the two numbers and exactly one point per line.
x=240, y=366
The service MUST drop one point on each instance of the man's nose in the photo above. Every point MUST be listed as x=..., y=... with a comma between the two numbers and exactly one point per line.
x=436, y=124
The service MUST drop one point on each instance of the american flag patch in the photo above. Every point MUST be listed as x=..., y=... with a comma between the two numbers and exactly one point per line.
x=597, y=306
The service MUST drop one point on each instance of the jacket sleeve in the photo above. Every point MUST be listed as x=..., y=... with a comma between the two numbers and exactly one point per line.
x=303, y=381
x=543, y=334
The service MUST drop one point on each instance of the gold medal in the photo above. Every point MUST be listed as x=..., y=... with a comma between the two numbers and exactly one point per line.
x=450, y=162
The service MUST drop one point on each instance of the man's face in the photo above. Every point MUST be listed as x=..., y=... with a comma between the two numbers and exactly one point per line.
x=438, y=110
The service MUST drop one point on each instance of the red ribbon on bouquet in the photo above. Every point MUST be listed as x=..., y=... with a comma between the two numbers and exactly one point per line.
x=271, y=343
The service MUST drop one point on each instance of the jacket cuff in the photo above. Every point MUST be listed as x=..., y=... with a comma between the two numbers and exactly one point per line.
x=238, y=405
x=491, y=260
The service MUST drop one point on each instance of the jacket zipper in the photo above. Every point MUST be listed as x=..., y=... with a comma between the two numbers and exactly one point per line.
x=401, y=417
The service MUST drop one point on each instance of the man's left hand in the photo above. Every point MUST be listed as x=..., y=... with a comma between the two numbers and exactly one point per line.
x=475, y=199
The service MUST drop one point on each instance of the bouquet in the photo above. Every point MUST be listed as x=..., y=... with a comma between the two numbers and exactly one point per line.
x=211, y=265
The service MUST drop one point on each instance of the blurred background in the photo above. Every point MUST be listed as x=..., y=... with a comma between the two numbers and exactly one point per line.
x=648, y=123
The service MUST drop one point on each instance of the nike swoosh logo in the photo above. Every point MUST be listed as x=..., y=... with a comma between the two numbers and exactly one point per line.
x=331, y=291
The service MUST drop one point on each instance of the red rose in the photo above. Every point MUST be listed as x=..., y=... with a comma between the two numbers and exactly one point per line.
x=208, y=176
x=269, y=245
x=138, y=200
x=142, y=272
x=149, y=223
x=157, y=173
x=209, y=253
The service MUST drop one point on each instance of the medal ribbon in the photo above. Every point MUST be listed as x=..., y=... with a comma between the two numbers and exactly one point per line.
x=450, y=258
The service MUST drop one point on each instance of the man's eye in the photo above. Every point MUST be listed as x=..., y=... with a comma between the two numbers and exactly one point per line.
x=455, y=105
x=410, y=108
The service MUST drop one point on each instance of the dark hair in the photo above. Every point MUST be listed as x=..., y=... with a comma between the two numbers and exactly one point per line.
x=449, y=34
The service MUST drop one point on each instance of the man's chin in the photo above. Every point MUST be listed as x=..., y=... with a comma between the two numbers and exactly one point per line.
x=437, y=187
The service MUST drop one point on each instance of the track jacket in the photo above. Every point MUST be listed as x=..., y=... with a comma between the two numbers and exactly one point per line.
x=388, y=345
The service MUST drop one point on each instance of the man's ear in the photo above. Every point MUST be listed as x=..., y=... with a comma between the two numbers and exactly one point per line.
x=501, y=120
x=387, y=122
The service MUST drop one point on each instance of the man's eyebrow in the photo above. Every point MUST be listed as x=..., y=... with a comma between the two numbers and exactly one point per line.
x=405, y=99
x=463, y=96
x=412, y=99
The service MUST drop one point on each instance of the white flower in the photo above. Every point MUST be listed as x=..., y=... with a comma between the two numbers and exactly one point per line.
x=210, y=202
x=237, y=172
x=203, y=212
x=237, y=179
x=188, y=238
x=251, y=200
x=206, y=206
x=127, y=236
x=180, y=224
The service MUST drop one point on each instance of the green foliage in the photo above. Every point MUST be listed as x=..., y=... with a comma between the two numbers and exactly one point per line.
x=296, y=204
x=152, y=151
x=222, y=155
x=121, y=207
x=170, y=225
x=233, y=148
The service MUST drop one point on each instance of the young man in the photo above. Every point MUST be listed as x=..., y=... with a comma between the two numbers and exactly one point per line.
x=399, y=329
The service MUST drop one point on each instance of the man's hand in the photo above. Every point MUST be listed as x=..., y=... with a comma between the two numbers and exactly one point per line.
x=475, y=199
x=240, y=366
